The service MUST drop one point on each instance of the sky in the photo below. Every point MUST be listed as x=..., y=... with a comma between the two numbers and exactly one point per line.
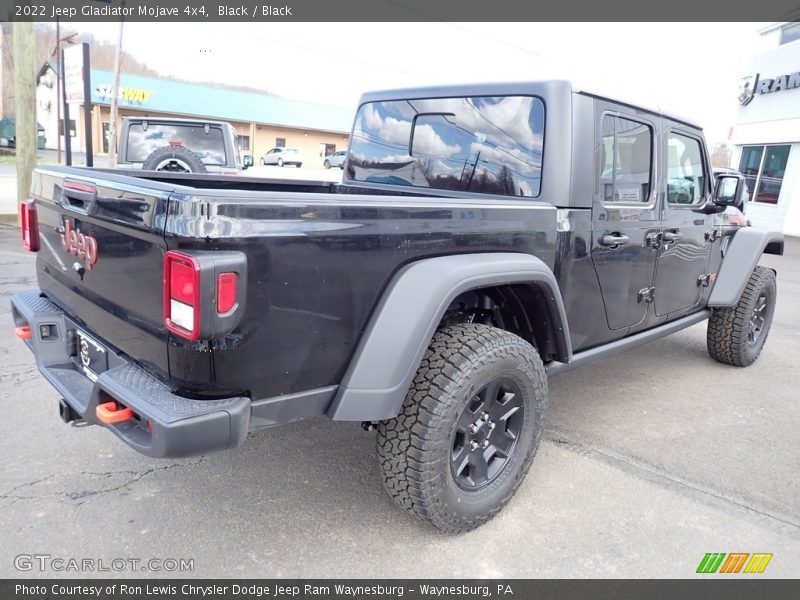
x=689, y=69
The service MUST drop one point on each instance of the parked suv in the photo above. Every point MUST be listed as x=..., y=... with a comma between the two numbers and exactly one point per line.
x=336, y=160
x=180, y=146
x=478, y=245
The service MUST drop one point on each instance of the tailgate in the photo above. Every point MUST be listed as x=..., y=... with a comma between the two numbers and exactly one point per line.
x=101, y=257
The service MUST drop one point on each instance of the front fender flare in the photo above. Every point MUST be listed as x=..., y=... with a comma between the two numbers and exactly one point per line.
x=399, y=331
x=741, y=257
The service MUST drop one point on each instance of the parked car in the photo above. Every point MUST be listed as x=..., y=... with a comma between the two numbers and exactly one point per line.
x=180, y=146
x=336, y=160
x=429, y=296
x=283, y=156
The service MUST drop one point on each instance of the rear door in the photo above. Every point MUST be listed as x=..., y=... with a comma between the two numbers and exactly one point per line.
x=101, y=257
x=686, y=235
x=625, y=216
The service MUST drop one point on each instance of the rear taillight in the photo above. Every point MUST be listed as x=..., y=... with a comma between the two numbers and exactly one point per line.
x=204, y=292
x=29, y=222
x=182, y=294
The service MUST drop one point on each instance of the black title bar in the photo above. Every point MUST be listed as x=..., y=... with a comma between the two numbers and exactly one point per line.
x=711, y=588
x=395, y=10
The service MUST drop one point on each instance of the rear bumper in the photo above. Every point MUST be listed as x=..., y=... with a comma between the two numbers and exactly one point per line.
x=164, y=424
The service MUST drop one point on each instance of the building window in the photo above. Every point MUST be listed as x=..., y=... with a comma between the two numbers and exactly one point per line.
x=625, y=162
x=764, y=168
x=790, y=33
x=280, y=142
x=244, y=142
x=750, y=165
x=327, y=149
x=72, y=127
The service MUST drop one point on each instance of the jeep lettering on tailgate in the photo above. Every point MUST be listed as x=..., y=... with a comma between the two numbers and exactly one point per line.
x=81, y=245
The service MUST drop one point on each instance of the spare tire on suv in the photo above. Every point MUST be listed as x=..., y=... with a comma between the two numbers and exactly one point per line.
x=176, y=159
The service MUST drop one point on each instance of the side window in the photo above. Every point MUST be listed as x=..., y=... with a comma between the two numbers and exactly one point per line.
x=626, y=156
x=477, y=144
x=686, y=176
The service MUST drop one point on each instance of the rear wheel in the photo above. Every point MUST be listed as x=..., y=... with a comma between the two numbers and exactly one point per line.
x=737, y=335
x=469, y=428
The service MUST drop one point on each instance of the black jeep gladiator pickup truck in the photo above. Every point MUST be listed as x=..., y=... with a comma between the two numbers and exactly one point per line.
x=484, y=238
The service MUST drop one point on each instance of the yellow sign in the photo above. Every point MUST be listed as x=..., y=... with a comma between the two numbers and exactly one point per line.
x=126, y=94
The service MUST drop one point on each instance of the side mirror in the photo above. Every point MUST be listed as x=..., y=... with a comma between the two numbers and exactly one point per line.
x=727, y=190
x=247, y=161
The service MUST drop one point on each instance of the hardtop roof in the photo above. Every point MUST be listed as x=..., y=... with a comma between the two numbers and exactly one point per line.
x=510, y=88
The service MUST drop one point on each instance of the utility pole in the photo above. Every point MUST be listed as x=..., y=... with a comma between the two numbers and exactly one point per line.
x=112, y=134
x=58, y=90
x=25, y=100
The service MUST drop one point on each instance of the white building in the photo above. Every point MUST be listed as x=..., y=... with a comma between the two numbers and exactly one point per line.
x=767, y=131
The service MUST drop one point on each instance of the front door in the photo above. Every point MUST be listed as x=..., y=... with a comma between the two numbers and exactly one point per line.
x=686, y=242
x=625, y=216
x=106, y=136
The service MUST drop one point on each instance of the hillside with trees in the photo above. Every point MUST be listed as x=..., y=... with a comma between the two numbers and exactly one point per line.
x=101, y=56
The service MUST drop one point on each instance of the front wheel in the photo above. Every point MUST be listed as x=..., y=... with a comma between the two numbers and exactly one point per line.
x=280, y=162
x=263, y=162
x=737, y=335
x=327, y=164
x=469, y=427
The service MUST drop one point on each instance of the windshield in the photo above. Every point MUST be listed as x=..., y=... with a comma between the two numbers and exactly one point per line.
x=209, y=146
x=487, y=144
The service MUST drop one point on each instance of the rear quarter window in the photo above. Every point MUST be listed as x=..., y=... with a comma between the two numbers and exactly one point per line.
x=484, y=144
x=210, y=146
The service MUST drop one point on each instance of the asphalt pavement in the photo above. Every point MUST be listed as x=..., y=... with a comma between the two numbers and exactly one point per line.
x=650, y=460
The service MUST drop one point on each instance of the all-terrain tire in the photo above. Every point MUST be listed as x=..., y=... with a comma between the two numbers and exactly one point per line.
x=732, y=337
x=178, y=159
x=416, y=447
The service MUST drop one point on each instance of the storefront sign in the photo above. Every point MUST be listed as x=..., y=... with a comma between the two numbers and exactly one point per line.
x=130, y=95
x=74, y=70
x=753, y=84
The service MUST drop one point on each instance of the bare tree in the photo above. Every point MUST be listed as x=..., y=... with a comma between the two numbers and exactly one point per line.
x=721, y=155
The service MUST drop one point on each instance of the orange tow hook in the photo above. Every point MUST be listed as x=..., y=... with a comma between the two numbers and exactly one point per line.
x=110, y=413
x=24, y=332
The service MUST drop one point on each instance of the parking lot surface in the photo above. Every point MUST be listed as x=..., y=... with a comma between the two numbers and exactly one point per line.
x=650, y=460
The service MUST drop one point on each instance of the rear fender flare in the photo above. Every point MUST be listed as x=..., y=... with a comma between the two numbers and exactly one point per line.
x=404, y=321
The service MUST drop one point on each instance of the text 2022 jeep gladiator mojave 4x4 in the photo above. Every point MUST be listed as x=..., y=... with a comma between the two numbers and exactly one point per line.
x=484, y=238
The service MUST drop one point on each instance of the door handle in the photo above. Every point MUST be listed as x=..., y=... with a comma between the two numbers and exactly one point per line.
x=614, y=240
x=672, y=236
